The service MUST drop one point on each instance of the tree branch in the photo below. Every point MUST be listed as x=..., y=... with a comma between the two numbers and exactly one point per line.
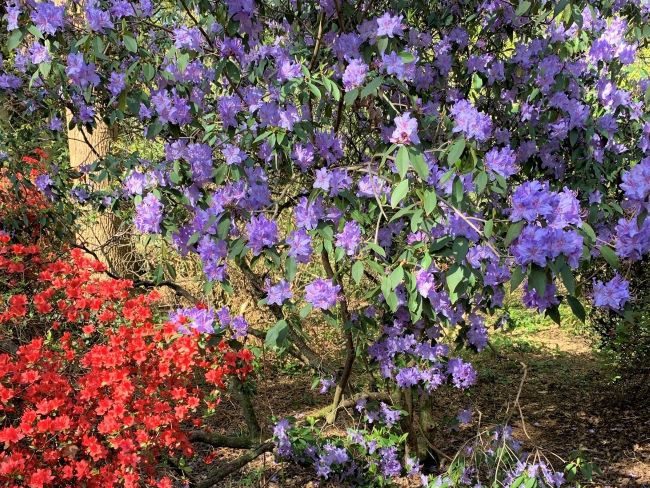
x=217, y=440
x=217, y=475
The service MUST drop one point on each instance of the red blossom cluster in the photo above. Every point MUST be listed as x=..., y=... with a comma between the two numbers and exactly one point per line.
x=19, y=200
x=102, y=398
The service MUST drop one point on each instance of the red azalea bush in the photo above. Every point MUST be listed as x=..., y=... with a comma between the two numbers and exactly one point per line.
x=80, y=407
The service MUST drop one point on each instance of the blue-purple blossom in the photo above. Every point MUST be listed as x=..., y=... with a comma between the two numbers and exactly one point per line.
x=48, y=17
x=322, y=293
x=349, y=238
x=148, y=214
x=502, y=161
x=81, y=73
x=463, y=374
x=354, y=74
x=262, y=233
x=613, y=294
x=390, y=26
x=277, y=294
x=117, y=83
x=282, y=440
x=198, y=319
x=471, y=122
x=389, y=462
x=239, y=327
x=300, y=246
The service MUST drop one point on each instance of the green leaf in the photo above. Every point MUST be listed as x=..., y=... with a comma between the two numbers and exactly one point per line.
x=518, y=275
x=537, y=280
x=477, y=81
x=610, y=256
x=568, y=279
x=378, y=249
x=522, y=8
x=454, y=276
x=457, y=190
x=577, y=308
x=351, y=96
x=148, y=71
x=402, y=161
x=314, y=90
x=276, y=336
x=488, y=228
x=371, y=88
x=588, y=231
x=481, y=182
x=194, y=238
x=306, y=310
x=291, y=268
x=456, y=151
x=554, y=314
x=419, y=164
x=396, y=277
x=430, y=201
x=513, y=232
x=14, y=39
x=400, y=191
x=357, y=271
x=130, y=44
x=44, y=69
x=559, y=7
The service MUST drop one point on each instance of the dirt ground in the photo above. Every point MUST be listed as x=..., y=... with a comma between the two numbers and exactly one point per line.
x=569, y=401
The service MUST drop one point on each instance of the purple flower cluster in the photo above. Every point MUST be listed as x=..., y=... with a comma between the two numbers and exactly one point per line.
x=277, y=294
x=148, y=214
x=471, y=122
x=349, y=238
x=262, y=233
x=406, y=130
x=330, y=455
x=502, y=161
x=322, y=293
x=196, y=319
x=354, y=74
x=548, y=213
x=613, y=295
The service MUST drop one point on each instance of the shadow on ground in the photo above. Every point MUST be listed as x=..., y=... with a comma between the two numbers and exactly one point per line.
x=569, y=401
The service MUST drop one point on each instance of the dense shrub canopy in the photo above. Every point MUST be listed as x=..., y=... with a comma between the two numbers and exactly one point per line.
x=394, y=166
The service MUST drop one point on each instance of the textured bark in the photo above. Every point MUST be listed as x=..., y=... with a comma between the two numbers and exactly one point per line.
x=103, y=233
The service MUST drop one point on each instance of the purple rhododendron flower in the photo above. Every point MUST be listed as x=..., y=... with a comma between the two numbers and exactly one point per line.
x=390, y=26
x=300, y=246
x=239, y=327
x=322, y=293
x=389, y=462
x=502, y=161
x=464, y=417
x=277, y=294
x=636, y=181
x=48, y=17
x=406, y=130
x=262, y=233
x=148, y=214
x=354, y=74
x=117, y=83
x=349, y=238
x=613, y=295
x=463, y=374
x=471, y=122
x=81, y=73
x=199, y=319
x=282, y=440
